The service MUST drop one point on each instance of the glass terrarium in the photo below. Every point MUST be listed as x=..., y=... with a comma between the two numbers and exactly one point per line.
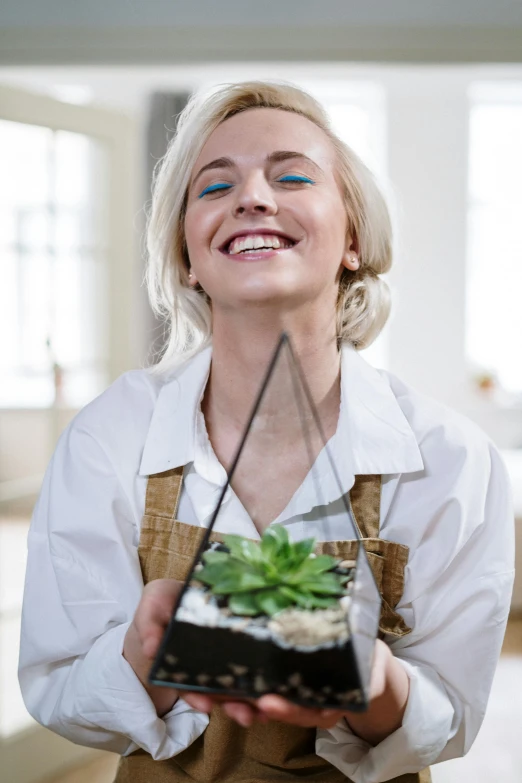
x=280, y=614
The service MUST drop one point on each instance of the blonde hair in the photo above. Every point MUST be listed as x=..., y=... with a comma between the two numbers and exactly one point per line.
x=363, y=303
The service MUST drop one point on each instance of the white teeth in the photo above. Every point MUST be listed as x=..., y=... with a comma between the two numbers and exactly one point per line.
x=256, y=242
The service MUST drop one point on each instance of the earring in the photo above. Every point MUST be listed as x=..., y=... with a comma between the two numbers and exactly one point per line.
x=353, y=259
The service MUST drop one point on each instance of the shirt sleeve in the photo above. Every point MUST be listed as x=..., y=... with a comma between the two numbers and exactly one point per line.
x=83, y=584
x=457, y=597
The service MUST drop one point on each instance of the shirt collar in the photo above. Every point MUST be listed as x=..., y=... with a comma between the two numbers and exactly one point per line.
x=372, y=426
x=373, y=435
x=171, y=436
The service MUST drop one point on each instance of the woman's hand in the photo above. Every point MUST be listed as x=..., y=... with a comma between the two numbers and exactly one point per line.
x=389, y=689
x=269, y=707
x=145, y=633
x=389, y=686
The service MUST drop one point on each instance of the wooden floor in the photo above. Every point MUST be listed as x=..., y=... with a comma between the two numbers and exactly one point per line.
x=496, y=755
x=513, y=639
x=100, y=771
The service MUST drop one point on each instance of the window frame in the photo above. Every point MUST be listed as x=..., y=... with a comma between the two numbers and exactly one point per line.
x=34, y=752
x=118, y=132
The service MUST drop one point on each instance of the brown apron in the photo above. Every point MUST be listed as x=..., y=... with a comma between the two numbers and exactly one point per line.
x=227, y=752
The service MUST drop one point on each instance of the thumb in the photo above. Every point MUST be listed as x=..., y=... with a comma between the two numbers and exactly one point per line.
x=155, y=611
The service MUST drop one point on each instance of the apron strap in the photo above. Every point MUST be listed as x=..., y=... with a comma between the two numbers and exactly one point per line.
x=169, y=546
x=365, y=500
x=164, y=492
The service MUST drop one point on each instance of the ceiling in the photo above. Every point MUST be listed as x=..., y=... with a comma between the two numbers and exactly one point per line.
x=178, y=31
x=291, y=13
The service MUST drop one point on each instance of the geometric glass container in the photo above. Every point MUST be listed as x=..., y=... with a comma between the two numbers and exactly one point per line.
x=284, y=614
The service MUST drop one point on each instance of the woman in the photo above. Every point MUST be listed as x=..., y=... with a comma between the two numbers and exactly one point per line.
x=263, y=221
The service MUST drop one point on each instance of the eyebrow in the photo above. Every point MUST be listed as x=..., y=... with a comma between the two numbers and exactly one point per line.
x=279, y=156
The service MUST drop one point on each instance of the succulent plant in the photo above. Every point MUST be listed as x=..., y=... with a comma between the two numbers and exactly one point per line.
x=271, y=575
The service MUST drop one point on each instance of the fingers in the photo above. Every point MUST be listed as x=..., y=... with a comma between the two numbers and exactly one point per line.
x=241, y=712
x=270, y=707
x=150, y=640
x=159, y=598
x=199, y=701
x=154, y=613
x=277, y=708
x=382, y=656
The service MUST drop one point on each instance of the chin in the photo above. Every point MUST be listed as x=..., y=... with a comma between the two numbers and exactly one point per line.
x=266, y=295
x=269, y=288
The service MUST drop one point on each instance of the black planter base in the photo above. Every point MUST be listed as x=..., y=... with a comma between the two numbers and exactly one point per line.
x=226, y=662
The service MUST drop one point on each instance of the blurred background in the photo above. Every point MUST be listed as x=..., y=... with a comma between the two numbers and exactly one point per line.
x=429, y=94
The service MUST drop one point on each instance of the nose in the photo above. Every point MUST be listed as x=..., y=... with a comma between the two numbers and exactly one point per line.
x=255, y=197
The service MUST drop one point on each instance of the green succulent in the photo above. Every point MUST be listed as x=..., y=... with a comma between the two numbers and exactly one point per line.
x=272, y=575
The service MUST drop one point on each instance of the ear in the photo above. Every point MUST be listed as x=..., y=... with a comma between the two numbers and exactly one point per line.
x=192, y=279
x=351, y=260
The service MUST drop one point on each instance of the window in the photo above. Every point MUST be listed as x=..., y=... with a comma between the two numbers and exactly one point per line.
x=53, y=266
x=494, y=276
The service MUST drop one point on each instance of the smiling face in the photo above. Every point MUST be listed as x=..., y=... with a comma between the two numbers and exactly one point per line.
x=265, y=219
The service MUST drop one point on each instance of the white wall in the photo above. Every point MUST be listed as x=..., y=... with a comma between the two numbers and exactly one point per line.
x=427, y=158
x=428, y=168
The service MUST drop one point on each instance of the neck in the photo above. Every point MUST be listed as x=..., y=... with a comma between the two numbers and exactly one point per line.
x=242, y=348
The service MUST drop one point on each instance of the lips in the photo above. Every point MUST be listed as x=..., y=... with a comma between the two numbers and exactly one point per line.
x=257, y=241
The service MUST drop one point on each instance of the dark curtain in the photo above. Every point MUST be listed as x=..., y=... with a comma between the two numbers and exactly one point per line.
x=164, y=111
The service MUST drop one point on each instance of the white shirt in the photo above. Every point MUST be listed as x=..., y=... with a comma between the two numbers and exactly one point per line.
x=445, y=494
